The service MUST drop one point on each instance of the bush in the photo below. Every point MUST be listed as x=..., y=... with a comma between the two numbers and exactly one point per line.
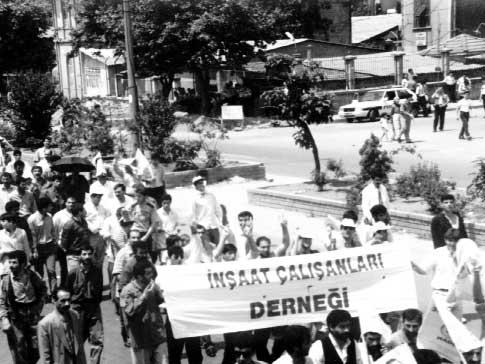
x=182, y=152
x=188, y=103
x=373, y=160
x=211, y=132
x=34, y=98
x=99, y=139
x=476, y=189
x=424, y=180
x=320, y=179
x=337, y=167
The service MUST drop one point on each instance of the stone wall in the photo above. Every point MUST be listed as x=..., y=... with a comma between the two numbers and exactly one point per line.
x=255, y=171
x=318, y=207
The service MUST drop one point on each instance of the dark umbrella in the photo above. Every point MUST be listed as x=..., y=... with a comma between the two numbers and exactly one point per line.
x=72, y=164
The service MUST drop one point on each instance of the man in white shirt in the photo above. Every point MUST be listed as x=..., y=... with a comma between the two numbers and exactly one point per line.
x=200, y=249
x=375, y=193
x=169, y=218
x=463, y=108
x=6, y=189
x=44, y=241
x=246, y=238
x=60, y=219
x=121, y=198
x=17, y=156
x=24, y=197
x=102, y=185
x=42, y=153
x=338, y=347
x=206, y=211
x=408, y=334
x=11, y=239
x=96, y=215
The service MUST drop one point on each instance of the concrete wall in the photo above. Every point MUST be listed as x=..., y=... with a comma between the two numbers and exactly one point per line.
x=256, y=171
x=316, y=207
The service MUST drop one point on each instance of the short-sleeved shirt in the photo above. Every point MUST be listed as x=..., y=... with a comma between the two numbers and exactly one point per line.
x=464, y=105
x=26, y=201
x=42, y=228
x=143, y=216
x=169, y=220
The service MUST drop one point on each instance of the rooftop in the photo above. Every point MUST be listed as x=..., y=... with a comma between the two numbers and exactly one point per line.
x=105, y=55
x=367, y=27
x=462, y=44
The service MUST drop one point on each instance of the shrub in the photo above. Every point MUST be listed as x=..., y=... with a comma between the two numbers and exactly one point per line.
x=336, y=167
x=353, y=199
x=320, y=179
x=424, y=180
x=211, y=132
x=99, y=139
x=182, y=152
x=34, y=98
x=373, y=160
x=476, y=189
x=188, y=103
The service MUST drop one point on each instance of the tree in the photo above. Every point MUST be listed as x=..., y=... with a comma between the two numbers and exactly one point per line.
x=24, y=41
x=197, y=36
x=300, y=107
x=34, y=97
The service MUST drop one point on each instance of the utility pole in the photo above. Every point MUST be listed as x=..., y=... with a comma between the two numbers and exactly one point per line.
x=130, y=65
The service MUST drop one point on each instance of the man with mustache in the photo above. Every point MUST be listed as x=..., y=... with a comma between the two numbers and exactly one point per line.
x=338, y=347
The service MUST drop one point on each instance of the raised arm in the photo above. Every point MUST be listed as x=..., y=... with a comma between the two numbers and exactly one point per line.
x=285, y=240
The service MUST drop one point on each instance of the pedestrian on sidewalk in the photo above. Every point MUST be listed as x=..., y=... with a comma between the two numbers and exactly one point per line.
x=440, y=101
x=386, y=126
x=408, y=118
x=450, y=84
x=463, y=113
x=396, y=117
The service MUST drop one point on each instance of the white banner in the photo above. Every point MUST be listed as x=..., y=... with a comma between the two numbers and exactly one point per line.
x=400, y=354
x=215, y=298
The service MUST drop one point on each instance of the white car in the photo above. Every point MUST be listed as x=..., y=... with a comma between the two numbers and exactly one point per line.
x=373, y=104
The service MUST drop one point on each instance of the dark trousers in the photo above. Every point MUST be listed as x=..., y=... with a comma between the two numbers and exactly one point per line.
x=465, y=117
x=47, y=257
x=439, y=117
x=22, y=337
x=99, y=245
x=62, y=259
x=229, y=353
x=261, y=337
x=92, y=324
x=176, y=346
x=213, y=235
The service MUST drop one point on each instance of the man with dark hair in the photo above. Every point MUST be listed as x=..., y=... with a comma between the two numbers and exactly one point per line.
x=145, y=218
x=447, y=218
x=375, y=193
x=140, y=300
x=121, y=198
x=140, y=252
x=6, y=189
x=246, y=238
x=18, y=172
x=206, y=211
x=175, y=255
x=54, y=193
x=339, y=347
x=75, y=185
x=297, y=342
x=473, y=356
x=86, y=285
x=44, y=241
x=24, y=197
x=12, y=238
x=244, y=348
x=22, y=295
x=13, y=208
x=60, y=333
x=169, y=218
x=411, y=322
x=156, y=187
x=75, y=236
x=373, y=344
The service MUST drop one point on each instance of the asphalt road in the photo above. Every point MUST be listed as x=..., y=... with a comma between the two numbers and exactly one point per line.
x=276, y=149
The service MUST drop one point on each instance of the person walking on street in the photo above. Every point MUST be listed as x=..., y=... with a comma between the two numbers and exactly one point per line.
x=44, y=241
x=406, y=114
x=463, y=109
x=60, y=333
x=139, y=301
x=11, y=238
x=440, y=101
x=396, y=118
x=60, y=219
x=206, y=211
x=75, y=236
x=86, y=284
x=450, y=83
x=22, y=296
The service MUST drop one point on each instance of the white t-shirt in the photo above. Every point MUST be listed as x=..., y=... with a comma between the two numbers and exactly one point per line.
x=464, y=105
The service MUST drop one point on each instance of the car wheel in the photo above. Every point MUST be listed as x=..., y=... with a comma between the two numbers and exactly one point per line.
x=373, y=115
x=350, y=120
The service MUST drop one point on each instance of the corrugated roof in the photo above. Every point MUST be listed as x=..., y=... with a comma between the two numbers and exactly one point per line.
x=105, y=55
x=382, y=64
x=462, y=44
x=367, y=27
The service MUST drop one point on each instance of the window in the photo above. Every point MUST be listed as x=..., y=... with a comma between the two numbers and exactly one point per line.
x=421, y=13
x=390, y=95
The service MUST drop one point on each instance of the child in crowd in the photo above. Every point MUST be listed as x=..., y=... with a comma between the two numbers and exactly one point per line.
x=386, y=126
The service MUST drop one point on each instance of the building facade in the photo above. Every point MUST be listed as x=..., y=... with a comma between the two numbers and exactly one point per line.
x=428, y=23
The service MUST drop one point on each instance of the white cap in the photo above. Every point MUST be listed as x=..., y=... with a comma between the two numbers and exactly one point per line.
x=96, y=190
x=197, y=179
x=347, y=223
x=380, y=226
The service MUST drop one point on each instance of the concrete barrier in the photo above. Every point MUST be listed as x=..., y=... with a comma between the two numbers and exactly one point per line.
x=256, y=171
x=415, y=223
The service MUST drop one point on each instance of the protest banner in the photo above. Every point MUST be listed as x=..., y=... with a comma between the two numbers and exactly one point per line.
x=215, y=298
x=442, y=332
x=399, y=355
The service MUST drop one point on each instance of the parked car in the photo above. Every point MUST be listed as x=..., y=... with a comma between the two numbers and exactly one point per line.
x=373, y=104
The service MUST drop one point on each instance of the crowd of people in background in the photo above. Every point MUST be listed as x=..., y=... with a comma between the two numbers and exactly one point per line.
x=62, y=233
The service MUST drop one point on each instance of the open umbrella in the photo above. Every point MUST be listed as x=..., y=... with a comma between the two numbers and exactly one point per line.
x=72, y=164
